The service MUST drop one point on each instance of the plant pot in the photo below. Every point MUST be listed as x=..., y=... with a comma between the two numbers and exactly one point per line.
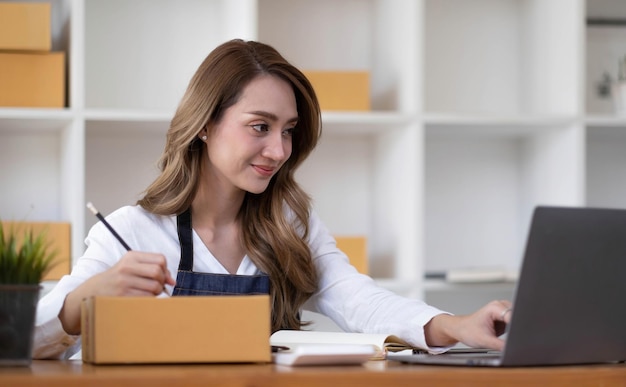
x=18, y=305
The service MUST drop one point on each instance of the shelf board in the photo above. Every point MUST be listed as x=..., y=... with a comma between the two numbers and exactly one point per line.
x=491, y=125
x=605, y=121
x=34, y=119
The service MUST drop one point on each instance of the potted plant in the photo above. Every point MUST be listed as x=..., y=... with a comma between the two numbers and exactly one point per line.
x=24, y=260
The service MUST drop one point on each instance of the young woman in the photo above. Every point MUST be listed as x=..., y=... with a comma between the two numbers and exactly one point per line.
x=227, y=216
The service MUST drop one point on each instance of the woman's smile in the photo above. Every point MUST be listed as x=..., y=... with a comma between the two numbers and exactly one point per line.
x=264, y=170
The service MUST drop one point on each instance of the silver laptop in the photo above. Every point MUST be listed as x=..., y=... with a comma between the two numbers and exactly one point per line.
x=570, y=301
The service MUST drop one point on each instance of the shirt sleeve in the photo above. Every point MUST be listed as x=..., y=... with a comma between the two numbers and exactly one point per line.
x=50, y=341
x=356, y=303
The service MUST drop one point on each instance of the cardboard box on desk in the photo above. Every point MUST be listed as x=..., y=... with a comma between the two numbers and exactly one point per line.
x=25, y=26
x=34, y=79
x=341, y=90
x=181, y=329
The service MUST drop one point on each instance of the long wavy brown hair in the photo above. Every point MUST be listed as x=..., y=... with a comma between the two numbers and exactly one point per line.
x=273, y=239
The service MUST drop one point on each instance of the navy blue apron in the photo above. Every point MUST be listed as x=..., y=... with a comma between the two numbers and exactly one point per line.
x=189, y=283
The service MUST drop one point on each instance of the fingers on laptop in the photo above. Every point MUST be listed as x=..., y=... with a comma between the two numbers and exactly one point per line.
x=502, y=310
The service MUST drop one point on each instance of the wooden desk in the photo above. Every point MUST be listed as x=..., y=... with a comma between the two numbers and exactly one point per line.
x=381, y=373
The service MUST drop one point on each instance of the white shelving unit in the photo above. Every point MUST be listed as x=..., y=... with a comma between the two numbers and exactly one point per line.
x=480, y=111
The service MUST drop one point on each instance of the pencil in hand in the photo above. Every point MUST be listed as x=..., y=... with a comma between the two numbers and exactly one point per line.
x=115, y=234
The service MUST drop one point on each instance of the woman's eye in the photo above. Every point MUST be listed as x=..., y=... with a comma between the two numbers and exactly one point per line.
x=289, y=132
x=260, y=127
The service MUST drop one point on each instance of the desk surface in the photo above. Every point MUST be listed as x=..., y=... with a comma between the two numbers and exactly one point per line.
x=376, y=373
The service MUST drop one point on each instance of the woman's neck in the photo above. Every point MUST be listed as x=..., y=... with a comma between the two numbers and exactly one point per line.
x=212, y=207
x=214, y=218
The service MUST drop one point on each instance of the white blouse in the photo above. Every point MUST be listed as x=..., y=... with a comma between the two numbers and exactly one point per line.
x=352, y=300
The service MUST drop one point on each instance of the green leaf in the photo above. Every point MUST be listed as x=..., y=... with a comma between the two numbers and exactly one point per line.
x=26, y=263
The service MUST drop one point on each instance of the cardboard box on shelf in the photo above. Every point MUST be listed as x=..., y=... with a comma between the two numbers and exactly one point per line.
x=341, y=90
x=181, y=329
x=57, y=235
x=34, y=79
x=25, y=26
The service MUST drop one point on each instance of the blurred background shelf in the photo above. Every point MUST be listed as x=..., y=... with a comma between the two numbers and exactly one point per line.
x=480, y=110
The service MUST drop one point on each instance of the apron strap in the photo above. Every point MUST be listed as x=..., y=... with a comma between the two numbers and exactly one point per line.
x=185, y=238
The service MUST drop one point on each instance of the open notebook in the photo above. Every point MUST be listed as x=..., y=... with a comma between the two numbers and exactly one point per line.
x=569, y=305
x=318, y=347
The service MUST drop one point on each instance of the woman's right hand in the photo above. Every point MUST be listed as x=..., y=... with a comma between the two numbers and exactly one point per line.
x=135, y=274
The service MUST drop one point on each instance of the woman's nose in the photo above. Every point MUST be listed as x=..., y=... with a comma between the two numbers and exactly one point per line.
x=277, y=147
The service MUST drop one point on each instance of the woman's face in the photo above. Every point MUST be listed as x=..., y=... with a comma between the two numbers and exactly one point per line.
x=253, y=139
